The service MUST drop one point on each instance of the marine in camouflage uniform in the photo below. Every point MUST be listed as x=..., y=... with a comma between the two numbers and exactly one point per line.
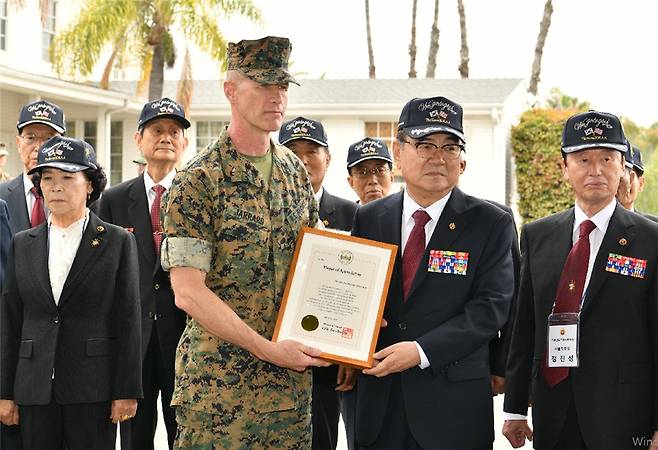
x=225, y=220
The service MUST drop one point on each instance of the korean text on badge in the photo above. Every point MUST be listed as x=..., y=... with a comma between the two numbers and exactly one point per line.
x=625, y=265
x=445, y=261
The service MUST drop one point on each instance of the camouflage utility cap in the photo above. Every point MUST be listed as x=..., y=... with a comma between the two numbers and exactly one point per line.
x=264, y=60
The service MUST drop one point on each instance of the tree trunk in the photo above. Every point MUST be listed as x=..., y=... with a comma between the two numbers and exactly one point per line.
x=412, y=45
x=371, y=56
x=463, y=52
x=539, y=48
x=156, y=80
x=105, y=79
x=185, y=84
x=434, y=43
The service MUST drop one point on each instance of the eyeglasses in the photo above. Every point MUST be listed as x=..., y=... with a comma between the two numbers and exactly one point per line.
x=33, y=139
x=364, y=172
x=427, y=150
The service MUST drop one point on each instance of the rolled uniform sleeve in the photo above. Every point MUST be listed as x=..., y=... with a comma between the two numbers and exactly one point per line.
x=188, y=222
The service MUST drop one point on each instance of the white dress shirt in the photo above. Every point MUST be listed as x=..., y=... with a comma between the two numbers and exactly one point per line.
x=149, y=183
x=318, y=195
x=601, y=219
x=63, y=244
x=29, y=196
x=409, y=207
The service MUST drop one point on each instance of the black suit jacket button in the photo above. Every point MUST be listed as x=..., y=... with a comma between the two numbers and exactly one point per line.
x=56, y=320
x=156, y=286
x=402, y=326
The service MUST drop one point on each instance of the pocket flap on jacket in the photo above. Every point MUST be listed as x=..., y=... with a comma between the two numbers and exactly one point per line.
x=99, y=346
x=25, y=349
x=470, y=370
x=635, y=373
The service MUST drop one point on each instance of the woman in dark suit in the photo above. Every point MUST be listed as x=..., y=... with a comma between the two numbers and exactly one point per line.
x=70, y=365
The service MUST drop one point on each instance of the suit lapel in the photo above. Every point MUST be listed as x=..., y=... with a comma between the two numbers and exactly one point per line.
x=448, y=228
x=39, y=244
x=389, y=222
x=142, y=219
x=91, y=246
x=327, y=209
x=16, y=201
x=559, y=242
x=620, y=229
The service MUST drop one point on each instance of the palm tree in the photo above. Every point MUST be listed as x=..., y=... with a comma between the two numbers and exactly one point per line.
x=141, y=32
x=371, y=56
x=463, y=52
x=412, y=45
x=434, y=43
x=539, y=48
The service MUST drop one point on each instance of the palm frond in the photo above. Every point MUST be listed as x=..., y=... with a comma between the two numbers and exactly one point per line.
x=76, y=50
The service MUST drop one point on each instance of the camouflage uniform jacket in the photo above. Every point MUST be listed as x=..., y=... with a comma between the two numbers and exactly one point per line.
x=221, y=218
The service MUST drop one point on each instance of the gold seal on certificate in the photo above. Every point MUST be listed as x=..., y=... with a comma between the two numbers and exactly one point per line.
x=335, y=295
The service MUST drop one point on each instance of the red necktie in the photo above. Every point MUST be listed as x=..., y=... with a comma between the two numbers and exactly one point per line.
x=570, y=292
x=38, y=214
x=155, y=217
x=413, y=251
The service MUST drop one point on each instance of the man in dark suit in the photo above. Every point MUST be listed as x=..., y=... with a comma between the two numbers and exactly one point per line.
x=132, y=205
x=308, y=140
x=370, y=169
x=449, y=295
x=589, y=272
x=37, y=122
x=632, y=181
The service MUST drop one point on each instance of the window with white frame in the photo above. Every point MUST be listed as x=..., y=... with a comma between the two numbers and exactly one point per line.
x=48, y=31
x=386, y=131
x=116, y=152
x=90, y=133
x=207, y=132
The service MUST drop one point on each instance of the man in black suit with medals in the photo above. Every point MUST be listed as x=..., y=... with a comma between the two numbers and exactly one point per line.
x=308, y=140
x=135, y=205
x=449, y=295
x=584, y=344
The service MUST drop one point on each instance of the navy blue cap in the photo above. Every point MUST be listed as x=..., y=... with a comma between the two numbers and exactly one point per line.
x=421, y=117
x=593, y=129
x=365, y=149
x=303, y=128
x=164, y=108
x=44, y=112
x=67, y=154
x=638, y=165
x=628, y=156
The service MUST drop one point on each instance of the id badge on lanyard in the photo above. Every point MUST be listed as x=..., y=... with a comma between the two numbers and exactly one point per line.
x=563, y=339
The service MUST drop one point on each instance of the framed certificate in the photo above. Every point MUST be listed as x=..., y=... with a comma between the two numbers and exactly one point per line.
x=335, y=295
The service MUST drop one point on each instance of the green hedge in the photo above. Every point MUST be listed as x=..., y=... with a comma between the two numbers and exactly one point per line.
x=536, y=140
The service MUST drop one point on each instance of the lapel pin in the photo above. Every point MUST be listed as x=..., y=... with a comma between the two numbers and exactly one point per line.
x=95, y=242
x=623, y=241
x=100, y=228
x=452, y=226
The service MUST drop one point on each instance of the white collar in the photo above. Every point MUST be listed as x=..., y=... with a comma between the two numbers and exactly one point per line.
x=409, y=207
x=318, y=195
x=601, y=219
x=27, y=184
x=165, y=182
x=78, y=224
